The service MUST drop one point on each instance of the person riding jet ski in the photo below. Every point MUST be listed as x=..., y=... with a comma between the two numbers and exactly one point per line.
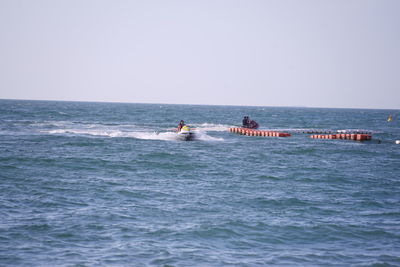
x=184, y=132
x=247, y=123
x=180, y=125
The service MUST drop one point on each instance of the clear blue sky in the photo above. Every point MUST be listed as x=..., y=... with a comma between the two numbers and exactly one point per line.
x=316, y=53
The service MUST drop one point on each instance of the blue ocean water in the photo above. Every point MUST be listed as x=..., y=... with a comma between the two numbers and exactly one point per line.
x=108, y=184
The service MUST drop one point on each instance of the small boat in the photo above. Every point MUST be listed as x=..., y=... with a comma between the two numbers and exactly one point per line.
x=185, y=134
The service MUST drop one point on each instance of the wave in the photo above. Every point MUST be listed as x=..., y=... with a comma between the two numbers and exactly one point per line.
x=109, y=133
x=144, y=135
x=122, y=129
x=81, y=124
x=171, y=136
x=165, y=136
x=210, y=127
x=200, y=135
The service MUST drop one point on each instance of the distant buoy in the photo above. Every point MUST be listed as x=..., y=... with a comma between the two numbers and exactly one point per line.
x=390, y=118
x=397, y=142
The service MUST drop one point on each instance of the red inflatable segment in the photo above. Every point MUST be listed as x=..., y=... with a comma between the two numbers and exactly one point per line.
x=356, y=137
x=253, y=132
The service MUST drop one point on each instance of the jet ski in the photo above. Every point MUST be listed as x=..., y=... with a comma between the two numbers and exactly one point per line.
x=251, y=125
x=185, y=134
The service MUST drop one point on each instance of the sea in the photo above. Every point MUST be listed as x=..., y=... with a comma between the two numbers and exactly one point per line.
x=109, y=184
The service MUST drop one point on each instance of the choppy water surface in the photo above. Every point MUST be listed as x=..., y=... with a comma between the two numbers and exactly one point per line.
x=100, y=184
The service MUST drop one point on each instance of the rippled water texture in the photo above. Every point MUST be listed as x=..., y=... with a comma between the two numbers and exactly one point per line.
x=100, y=184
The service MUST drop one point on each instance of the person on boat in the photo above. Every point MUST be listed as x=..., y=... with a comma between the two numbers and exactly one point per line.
x=180, y=125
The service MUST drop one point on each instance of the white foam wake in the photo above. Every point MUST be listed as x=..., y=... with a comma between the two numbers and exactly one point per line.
x=144, y=135
x=166, y=136
x=200, y=135
x=127, y=131
x=95, y=132
x=210, y=127
x=172, y=136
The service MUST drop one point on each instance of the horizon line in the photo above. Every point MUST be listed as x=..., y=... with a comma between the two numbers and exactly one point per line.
x=187, y=104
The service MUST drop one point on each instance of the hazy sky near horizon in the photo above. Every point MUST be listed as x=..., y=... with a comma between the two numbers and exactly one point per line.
x=316, y=53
